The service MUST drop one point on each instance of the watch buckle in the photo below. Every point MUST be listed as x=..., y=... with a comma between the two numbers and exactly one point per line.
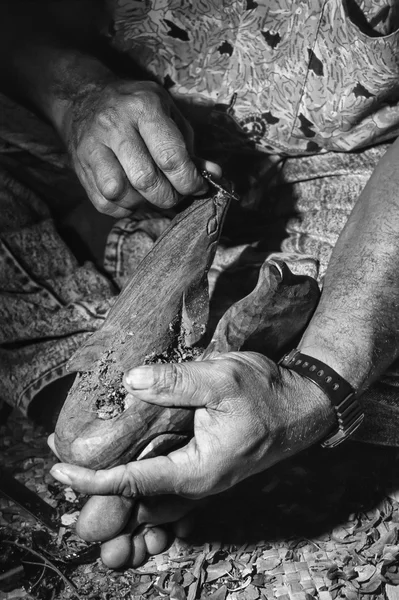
x=340, y=436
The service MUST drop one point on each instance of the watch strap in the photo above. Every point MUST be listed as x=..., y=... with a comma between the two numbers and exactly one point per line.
x=341, y=394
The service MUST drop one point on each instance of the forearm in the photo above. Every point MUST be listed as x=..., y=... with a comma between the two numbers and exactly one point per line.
x=46, y=49
x=355, y=329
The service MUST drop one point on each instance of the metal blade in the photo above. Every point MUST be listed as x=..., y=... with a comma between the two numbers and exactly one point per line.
x=226, y=189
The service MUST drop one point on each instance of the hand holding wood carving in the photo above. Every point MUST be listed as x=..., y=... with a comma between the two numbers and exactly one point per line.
x=129, y=142
x=249, y=414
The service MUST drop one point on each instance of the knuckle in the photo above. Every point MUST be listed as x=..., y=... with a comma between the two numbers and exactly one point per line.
x=81, y=152
x=128, y=485
x=145, y=101
x=229, y=372
x=170, y=158
x=189, y=184
x=94, y=155
x=107, y=118
x=145, y=180
x=110, y=187
x=236, y=376
x=169, y=380
x=168, y=198
x=88, y=150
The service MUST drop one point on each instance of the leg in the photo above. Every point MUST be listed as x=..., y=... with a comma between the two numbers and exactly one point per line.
x=48, y=302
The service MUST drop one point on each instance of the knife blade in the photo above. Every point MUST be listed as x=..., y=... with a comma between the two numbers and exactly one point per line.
x=226, y=189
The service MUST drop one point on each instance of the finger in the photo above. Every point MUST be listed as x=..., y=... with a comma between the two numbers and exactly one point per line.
x=190, y=384
x=184, y=472
x=111, y=180
x=184, y=526
x=154, y=476
x=188, y=135
x=209, y=166
x=142, y=172
x=167, y=147
x=101, y=204
x=184, y=127
x=164, y=509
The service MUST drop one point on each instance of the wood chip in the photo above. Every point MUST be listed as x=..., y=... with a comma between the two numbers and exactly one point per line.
x=69, y=519
x=177, y=592
x=218, y=570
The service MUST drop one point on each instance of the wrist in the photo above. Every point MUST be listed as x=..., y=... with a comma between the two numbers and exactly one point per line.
x=78, y=82
x=342, y=396
x=310, y=414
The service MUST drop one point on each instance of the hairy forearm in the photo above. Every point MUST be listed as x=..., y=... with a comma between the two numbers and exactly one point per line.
x=46, y=51
x=356, y=326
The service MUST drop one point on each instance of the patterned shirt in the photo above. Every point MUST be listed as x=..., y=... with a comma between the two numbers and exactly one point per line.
x=281, y=76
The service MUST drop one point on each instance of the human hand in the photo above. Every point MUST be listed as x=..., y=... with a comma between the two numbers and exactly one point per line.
x=129, y=142
x=249, y=414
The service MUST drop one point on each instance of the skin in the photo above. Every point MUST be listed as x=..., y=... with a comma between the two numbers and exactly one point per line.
x=246, y=420
x=249, y=413
x=127, y=140
x=129, y=143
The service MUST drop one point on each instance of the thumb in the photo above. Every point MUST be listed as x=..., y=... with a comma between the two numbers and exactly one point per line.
x=175, y=384
x=153, y=476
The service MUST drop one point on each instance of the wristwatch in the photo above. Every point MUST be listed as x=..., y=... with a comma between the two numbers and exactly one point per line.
x=341, y=394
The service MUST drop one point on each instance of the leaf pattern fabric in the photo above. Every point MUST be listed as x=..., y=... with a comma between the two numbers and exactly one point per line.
x=280, y=76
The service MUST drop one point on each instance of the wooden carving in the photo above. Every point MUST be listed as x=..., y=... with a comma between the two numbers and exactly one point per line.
x=167, y=297
x=166, y=304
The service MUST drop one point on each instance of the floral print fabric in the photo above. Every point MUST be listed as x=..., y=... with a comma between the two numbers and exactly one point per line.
x=281, y=76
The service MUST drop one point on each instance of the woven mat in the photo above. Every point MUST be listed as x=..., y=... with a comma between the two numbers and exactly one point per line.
x=322, y=525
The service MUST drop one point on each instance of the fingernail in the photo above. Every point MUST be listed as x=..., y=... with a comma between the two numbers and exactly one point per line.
x=140, y=378
x=213, y=169
x=60, y=475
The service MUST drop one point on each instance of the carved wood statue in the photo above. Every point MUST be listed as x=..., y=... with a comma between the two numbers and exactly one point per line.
x=163, y=307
